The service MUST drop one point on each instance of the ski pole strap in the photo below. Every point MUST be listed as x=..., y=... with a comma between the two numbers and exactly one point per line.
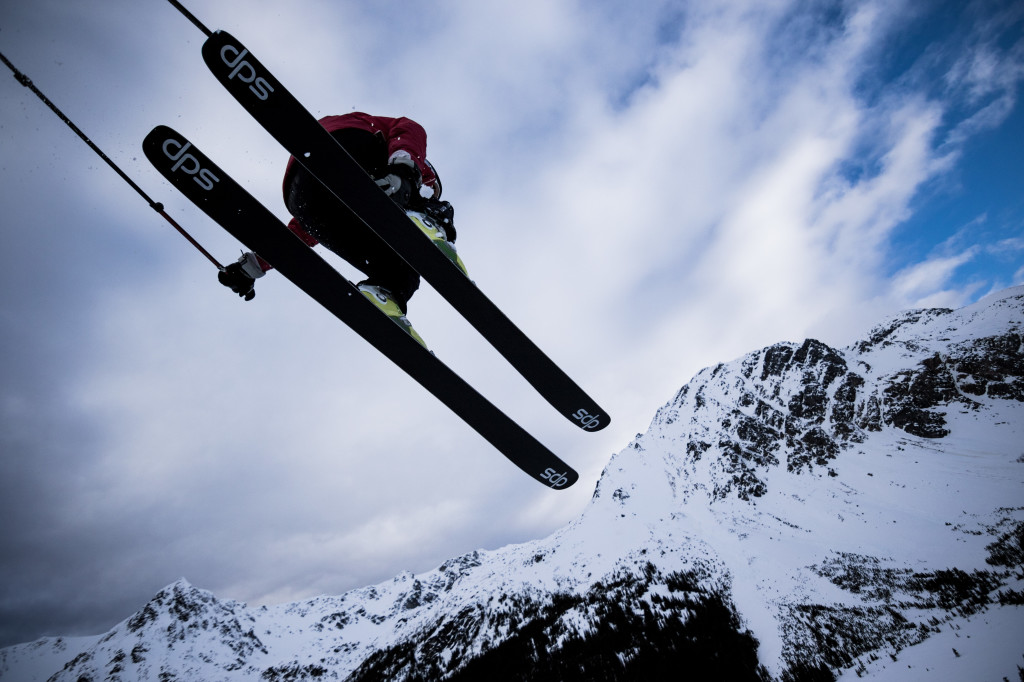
x=156, y=206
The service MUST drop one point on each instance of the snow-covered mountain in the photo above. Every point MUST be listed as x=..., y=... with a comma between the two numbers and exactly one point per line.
x=801, y=513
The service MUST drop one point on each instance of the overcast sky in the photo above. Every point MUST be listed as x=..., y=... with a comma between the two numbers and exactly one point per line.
x=645, y=188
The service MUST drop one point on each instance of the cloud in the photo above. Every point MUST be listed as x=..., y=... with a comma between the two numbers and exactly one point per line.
x=645, y=189
x=923, y=282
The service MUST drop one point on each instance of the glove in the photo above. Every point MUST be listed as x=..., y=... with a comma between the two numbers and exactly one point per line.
x=402, y=180
x=241, y=275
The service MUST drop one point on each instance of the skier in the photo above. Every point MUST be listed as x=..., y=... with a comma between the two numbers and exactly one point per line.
x=393, y=151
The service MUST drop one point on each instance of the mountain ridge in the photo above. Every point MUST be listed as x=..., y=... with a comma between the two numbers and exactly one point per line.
x=787, y=515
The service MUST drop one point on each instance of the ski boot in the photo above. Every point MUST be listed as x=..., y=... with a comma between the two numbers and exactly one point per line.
x=381, y=298
x=430, y=227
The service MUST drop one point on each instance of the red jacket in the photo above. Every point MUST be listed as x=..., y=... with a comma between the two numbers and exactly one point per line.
x=401, y=134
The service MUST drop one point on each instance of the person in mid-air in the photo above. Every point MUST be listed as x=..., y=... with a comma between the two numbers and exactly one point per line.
x=394, y=152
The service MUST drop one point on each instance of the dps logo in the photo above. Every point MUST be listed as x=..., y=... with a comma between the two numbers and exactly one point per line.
x=188, y=164
x=587, y=421
x=241, y=69
x=554, y=478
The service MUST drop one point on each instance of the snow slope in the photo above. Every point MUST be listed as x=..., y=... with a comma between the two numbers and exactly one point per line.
x=802, y=512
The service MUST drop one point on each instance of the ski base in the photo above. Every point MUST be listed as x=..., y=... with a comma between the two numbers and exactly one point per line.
x=244, y=217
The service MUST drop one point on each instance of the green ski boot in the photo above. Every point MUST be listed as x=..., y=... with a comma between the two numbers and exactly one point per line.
x=437, y=235
x=382, y=299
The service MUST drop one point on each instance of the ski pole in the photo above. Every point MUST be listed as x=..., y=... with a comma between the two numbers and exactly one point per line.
x=155, y=205
x=191, y=17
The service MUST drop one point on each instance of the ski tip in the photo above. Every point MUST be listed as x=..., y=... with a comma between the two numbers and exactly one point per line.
x=590, y=419
x=556, y=479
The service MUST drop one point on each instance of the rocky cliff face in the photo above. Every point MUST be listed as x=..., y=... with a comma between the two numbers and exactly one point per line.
x=801, y=513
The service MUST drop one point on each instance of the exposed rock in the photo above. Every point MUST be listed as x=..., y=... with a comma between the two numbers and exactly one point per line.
x=801, y=512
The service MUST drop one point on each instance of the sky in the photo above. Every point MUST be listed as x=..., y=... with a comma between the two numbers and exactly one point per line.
x=645, y=188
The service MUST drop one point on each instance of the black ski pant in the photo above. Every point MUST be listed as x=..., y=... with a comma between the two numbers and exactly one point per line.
x=327, y=219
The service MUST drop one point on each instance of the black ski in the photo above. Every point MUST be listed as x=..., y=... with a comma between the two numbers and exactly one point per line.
x=298, y=131
x=226, y=202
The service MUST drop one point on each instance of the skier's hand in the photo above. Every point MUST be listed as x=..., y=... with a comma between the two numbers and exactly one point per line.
x=403, y=178
x=241, y=275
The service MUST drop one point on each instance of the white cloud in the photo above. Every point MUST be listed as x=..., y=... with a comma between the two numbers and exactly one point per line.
x=646, y=190
x=922, y=281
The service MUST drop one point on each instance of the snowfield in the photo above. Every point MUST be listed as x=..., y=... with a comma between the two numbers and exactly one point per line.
x=802, y=512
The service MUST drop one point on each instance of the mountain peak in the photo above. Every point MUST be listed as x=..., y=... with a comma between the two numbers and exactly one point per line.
x=797, y=513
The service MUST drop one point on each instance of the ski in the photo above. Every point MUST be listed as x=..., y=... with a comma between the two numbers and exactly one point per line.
x=291, y=124
x=249, y=221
